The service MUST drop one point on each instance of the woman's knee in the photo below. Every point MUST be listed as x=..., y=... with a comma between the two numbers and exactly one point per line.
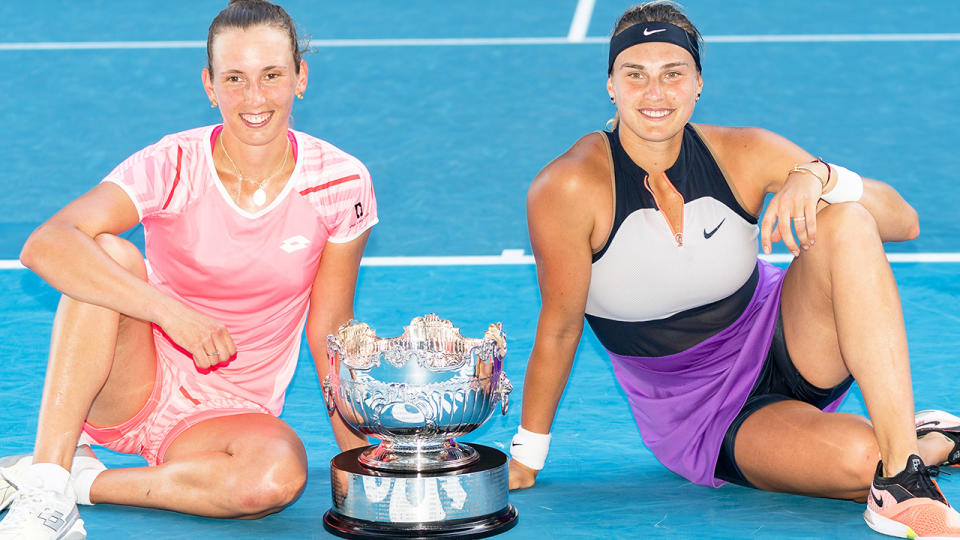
x=844, y=223
x=273, y=481
x=123, y=252
x=845, y=232
x=857, y=460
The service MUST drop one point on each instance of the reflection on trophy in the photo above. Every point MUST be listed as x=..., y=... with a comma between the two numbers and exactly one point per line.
x=417, y=393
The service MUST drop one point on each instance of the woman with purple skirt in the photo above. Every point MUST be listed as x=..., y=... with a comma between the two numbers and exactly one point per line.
x=733, y=368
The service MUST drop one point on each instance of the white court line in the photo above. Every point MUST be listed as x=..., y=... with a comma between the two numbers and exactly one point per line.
x=581, y=21
x=439, y=42
x=511, y=257
x=827, y=38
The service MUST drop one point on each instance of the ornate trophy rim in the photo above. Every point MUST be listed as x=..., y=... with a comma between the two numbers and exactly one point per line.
x=367, y=355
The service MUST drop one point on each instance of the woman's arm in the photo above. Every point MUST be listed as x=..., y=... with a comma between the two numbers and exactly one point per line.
x=561, y=217
x=64, y=252
x=331, y=305
x=761, y=162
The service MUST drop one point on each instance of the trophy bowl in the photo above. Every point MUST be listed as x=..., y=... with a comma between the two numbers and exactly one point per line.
x=416, y=392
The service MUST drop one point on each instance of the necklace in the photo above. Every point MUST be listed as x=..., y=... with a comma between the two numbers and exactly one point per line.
x=259, y=196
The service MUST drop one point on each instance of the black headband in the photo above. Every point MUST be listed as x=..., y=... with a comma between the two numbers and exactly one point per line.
x=653, y=31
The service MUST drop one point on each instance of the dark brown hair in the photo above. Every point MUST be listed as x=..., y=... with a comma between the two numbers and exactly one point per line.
x=245, y=14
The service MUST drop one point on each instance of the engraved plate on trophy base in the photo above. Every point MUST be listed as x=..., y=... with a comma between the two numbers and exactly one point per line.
x=470, y=502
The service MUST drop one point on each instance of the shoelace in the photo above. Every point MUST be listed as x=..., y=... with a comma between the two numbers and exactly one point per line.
x=926, y=483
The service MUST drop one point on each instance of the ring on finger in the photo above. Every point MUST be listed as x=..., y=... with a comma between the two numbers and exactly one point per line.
x=799, y=218
x=216, y=353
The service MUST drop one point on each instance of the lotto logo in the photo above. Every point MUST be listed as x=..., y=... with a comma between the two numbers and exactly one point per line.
x=51, y=518
x=294, y=243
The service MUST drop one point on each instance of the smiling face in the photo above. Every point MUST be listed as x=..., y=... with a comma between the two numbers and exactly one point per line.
x=655, y=86
x=254, y=81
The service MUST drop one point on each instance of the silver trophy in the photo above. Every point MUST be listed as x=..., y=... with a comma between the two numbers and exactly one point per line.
x=417, y=393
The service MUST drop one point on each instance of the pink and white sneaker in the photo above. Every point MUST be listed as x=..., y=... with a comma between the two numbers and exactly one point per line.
x=945, y=424
x=910, y=505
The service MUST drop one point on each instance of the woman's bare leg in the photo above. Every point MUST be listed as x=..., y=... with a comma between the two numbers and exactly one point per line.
x=841, y=316
x=101, y=367
x=245, y=465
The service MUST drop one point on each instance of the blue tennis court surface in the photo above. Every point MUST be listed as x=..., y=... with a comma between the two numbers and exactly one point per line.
x=453, y=132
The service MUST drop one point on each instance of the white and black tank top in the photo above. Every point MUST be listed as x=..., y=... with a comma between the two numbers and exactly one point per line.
x=654, y=291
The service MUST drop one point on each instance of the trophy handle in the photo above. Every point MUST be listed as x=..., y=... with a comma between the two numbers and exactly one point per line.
x=503, y=391
x=333, y=346
x=328, y=396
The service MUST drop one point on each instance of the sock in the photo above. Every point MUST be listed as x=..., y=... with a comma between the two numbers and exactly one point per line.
x=85, y=471
x=52, y=476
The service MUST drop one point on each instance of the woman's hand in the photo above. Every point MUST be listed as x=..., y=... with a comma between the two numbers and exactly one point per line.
x=794, y=204
x=521, y=476
x=206, y=339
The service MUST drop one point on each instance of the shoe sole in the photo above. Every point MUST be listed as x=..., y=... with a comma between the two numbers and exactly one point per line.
x=887, y=526
x=930, y=415
x=890, y=527
x=76, y=532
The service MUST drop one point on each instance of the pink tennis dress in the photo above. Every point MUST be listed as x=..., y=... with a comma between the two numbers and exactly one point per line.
x=251, y=271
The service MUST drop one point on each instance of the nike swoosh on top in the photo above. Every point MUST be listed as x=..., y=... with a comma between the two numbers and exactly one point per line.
x=707, y=235
x=648, y=32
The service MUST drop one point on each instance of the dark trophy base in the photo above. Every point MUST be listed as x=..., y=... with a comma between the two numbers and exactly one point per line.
x=470, y=502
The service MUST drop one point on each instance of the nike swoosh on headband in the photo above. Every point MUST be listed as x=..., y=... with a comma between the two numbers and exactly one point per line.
x=656, y=31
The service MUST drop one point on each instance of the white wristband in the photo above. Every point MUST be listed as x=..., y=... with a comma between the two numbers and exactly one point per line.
x=529, y=448
x=849, y=186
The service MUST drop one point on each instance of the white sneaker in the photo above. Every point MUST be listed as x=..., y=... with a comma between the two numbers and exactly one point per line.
x=38, y=514
x=14, y=467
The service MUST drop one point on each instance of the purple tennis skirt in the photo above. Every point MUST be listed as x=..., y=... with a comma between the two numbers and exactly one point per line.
x=684, y=402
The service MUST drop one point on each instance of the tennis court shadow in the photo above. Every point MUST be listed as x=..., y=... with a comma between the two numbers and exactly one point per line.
x=130, y=522
x=646, y=499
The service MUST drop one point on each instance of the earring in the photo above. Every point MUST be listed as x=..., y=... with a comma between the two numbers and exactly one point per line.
x=213, y=104
x=613, y=100
x=300, y=95
x=698, y=97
